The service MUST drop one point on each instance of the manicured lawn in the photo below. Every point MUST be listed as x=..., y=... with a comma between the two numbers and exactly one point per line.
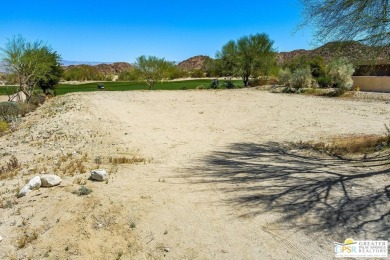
x=123, y=86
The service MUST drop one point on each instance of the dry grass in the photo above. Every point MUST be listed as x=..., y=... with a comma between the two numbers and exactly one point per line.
x=126, y=160
x=10, y=169
x=26, y=237
x=352, y=144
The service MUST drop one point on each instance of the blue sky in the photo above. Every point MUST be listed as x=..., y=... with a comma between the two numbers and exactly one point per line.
x=109, y=31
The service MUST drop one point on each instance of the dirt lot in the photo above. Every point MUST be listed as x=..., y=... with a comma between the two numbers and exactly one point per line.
x=217, y=178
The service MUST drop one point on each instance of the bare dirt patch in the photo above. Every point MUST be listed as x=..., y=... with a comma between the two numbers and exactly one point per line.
x=193, y=174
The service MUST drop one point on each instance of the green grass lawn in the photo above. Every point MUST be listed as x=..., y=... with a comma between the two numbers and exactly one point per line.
x=123, y=86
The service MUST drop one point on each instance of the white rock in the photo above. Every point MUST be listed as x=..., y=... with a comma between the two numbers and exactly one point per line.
x=1, y=238
x=23, y=192
x=35, y=183
x=99, y=175
x=50, y=180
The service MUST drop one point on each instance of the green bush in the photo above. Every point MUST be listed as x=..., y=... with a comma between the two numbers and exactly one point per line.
x=341, y=71
x=3, y=126
x=228, y=84
x=285, y=76
x=301, y=78
x=315, y=63
x=130, y=75
x=9, y=111
x=198, y=73
x=325, y=81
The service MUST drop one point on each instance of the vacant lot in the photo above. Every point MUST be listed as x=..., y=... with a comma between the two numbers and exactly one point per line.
x=217, y=179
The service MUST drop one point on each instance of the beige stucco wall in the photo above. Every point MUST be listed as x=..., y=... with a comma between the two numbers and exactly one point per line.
x=375, y=84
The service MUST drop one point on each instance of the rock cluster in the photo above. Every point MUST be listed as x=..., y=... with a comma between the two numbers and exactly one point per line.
x=46, y=180
x=51, y=180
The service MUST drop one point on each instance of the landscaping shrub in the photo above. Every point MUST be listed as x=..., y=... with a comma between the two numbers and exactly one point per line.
x=285, y=76
x=325, y=81
x=301, y=78
x=316, y=64
x=340, y=70
x=214, y=84
x=228, y=84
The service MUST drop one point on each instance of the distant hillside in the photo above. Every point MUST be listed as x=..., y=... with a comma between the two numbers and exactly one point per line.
x=354, y=51
x=107, y=69
x=194, y=63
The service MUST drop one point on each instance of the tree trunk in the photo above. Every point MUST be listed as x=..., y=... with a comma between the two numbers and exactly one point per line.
x=245, y=79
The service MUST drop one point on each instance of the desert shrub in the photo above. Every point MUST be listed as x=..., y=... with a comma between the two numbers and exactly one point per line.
x=3, y=126
x=340, y=70
x=82, y=191
x=324, y=81
x=82, y=72
x=130, y=75
x=315, y=63
x=198, y=73
x=37, y=99
x=174, y=72
x=9, y=169
x=258, y=82
x=228, y=84
x=9, y=111
x=285, y=76
x=301, y=78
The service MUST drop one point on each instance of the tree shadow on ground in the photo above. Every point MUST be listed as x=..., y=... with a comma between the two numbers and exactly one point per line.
x=312, y=191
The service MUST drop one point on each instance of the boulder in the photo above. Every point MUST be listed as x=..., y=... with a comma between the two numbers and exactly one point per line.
x=50, y=180
x=99, y=175
x=33, y=184
x=23, y=192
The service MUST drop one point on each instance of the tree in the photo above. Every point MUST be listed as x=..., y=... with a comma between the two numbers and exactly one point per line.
x=53, y=75
x=251, y=55
x=32, y=63
x=152, y=69
x=366, y=21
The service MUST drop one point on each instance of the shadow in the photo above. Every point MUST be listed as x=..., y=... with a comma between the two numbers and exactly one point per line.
x=309, y=190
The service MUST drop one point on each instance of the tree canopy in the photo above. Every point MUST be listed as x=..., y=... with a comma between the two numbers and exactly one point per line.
x=33, y=63
x=249, y=56
x=152, y=69
x=366, y=21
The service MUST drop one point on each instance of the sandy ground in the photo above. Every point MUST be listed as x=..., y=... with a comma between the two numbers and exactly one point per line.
x=3, y=98
x=218, y=180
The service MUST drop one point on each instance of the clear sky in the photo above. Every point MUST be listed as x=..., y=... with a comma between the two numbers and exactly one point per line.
x=118, y=30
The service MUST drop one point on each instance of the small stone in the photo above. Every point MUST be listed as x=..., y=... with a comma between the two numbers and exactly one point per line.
x=166, y=249
x=99, y=175
x=1, y=238
x=50, y=180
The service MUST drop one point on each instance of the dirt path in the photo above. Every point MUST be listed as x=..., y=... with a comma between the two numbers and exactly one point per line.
x=221, y=182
